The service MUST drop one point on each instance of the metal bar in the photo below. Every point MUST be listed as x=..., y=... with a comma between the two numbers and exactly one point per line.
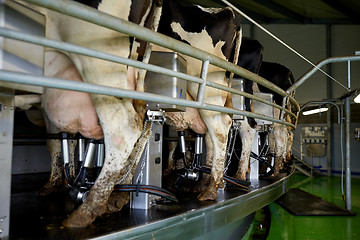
x=113, y=58
x=347, y=144
x=201, y=91
x=104, y=90
x=322, y=102
x=308, y=74
x=80, y=11
x=6, y=149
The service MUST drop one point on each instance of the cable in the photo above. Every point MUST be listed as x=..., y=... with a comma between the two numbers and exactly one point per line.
x=239, y=183
x=147, y=189
x=280, y=41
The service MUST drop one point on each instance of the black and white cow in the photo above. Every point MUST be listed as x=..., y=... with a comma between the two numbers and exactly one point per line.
x=214, y=31
x=121, y=119
x=280, y=140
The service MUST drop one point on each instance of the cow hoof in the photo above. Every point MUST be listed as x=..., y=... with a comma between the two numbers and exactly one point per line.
x=117, y=201
x=207, y=195
x=202, y=185
x=78, y=220
x=241, y=177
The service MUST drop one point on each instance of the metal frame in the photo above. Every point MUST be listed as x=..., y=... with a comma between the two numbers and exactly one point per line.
x=6, y=139
x=80, y=11
x=306, y=76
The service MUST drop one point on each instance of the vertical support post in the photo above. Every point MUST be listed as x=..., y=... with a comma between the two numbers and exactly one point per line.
x=347, y=144
x=201, y=91
x=329, y=95
x=6, y=146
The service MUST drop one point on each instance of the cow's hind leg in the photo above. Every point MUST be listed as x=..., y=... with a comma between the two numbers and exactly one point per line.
x=218, y=125
x=56, y=181
x=118, y=199
x=247, y=134
x=122, y=127
x=280, y=136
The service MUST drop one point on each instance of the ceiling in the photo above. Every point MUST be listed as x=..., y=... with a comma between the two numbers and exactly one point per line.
x=295, y=11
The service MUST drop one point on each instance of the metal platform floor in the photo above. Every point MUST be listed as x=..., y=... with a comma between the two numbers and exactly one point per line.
x=33, y=217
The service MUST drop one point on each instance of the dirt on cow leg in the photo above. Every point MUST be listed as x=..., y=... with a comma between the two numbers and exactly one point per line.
x=56, y=181
x=86, y=213
x=202, y=184
x=117, y=201
x=210, y=193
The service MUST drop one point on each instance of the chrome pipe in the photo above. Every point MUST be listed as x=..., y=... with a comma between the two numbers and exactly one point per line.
x=100, y=153
x=65, y=152
x=113, y=58
x=307, y=75
x=90, y=151
x=181, y=135
x=198, y=144
x=81, y=146
x=22, y=78
x=201, y=89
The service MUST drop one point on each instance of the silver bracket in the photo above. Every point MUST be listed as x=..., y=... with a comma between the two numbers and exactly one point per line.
x=6, y=147
x=149, y=169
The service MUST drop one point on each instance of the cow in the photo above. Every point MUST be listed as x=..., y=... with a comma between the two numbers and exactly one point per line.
x=214, y=31
x=280, y=138
x=65, y=111
x=250, y=58
x=282, y=135
x=121, y=119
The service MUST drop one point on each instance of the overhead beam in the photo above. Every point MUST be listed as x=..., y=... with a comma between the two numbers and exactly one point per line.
x=297, y=18
x=340, y=7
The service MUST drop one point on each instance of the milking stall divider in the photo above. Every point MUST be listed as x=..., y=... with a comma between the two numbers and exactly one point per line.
x=204, y=218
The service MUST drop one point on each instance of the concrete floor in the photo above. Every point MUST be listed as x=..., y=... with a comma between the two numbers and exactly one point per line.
x=287, y=226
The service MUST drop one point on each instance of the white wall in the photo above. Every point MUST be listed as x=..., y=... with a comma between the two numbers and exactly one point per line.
x=310, y=41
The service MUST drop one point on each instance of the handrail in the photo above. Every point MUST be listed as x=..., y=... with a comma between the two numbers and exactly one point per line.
x=309, y=73
x=117, y=59
x=88, y=14
x=22, y=78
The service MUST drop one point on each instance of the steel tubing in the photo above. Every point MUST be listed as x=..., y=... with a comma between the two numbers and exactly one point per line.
x=22, y=78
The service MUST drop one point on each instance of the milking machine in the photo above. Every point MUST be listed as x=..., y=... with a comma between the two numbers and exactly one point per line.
x=146, y=188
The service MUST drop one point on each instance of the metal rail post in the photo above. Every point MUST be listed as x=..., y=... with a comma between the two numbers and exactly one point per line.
x=347, y=144
x=6, y=140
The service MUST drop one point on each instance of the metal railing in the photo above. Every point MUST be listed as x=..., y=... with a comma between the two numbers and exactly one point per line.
x=80, y=11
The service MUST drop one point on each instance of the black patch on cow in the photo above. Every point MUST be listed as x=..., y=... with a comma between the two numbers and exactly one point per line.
x=221, y=26
x=250, y=58
x=90, y=3
x=137, y=13
x=278, y=75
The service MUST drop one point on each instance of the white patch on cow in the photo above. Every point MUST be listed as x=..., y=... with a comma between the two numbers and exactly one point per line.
x=210, y=10
x=202, y=41
x=116, y=8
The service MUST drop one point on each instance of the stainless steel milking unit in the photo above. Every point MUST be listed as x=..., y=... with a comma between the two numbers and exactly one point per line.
x=149, y=170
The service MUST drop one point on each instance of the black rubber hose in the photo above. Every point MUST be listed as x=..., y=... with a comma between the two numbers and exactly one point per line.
x=67, y=174
x=241, y=184
x=253, y=155
x=147, y=189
